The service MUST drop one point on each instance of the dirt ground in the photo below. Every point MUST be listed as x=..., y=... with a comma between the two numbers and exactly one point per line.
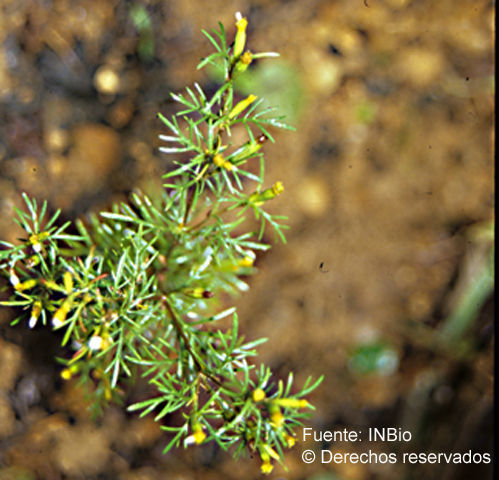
x=389, y=194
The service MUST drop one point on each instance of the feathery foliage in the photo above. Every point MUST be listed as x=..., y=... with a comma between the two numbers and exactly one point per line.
x=135, y=290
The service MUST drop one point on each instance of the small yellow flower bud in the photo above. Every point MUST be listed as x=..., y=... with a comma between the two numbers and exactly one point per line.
x=51, y=284
x=240, y=40
x=199, y=437
x=66, y=374
x=291, y=402
x=26, y=285
x=68, y=282
x=243, y=62
x=258, y=395
x=36, y=239
x=218, y=160
x=37, y=247
x=290, y=440
x=277, y=188
x=247, y=57
x=242, y=105
x=266, y=467
x=277, y=419
x=107, y=394
x=35, y=313
x=241, y=22
x=267, y=452
x=247, y=261
x=60, y=314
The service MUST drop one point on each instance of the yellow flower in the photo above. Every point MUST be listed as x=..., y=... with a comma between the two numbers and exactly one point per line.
x=277, y=188
x=242, y=105
x=199, y=437
x=247, y=57
x=26, y=285
x=247, y=261
x=35, y=313
x=60, y=314
x=291, y=402
x=240, y=40
x=36, y=239
x=66, y=374
x=108, y=394
x=68, y=282
x=220, y=161
x=290, y=440
x=258, y=395
x=243, y=62
x=266, y=451
x=266, y=467
x=37, y=246
x=277, y=419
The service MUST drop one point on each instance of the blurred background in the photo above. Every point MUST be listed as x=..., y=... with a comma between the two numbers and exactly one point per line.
x=385, y=285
